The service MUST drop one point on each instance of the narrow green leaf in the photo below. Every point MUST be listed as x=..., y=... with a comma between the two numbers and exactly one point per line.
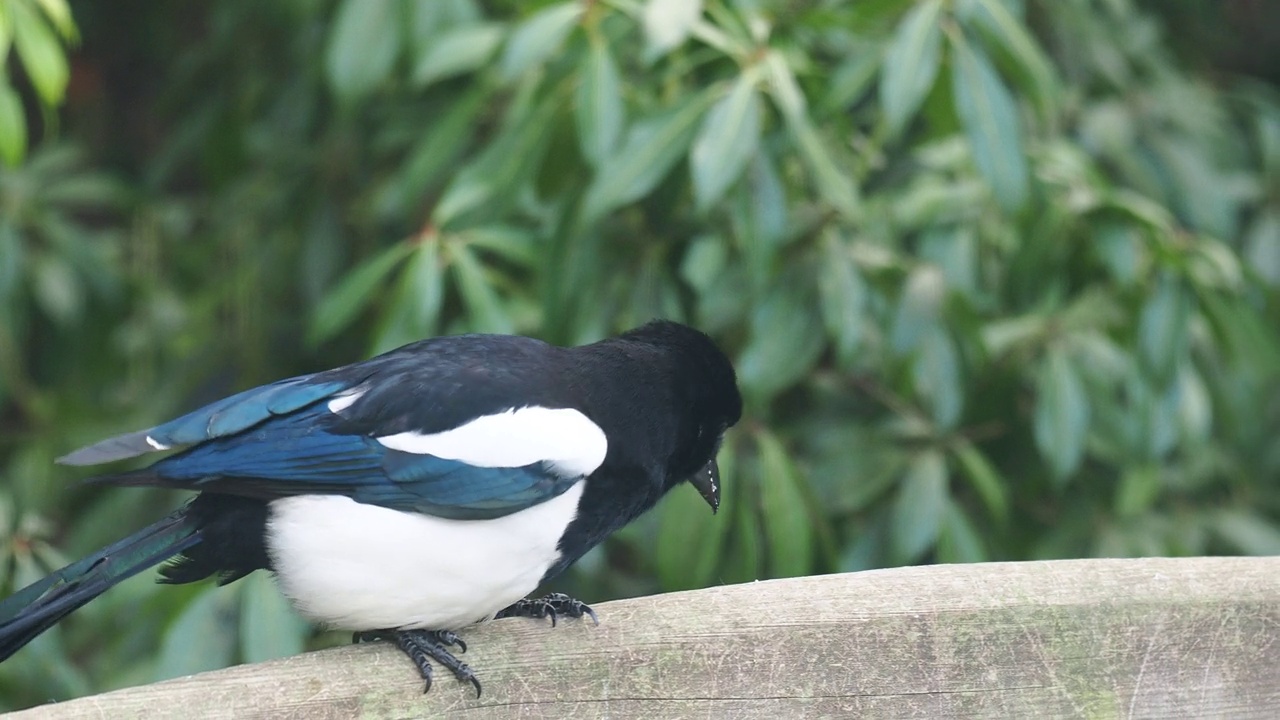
x=1138, y=488
x=1195, y=411
x=1162, y=328
x=59, y=13
x=985, y=479
x=936, y=374
x=788, y=527
x=599, y=112
x=843, y=293
x=457, y=52
x=344, y=302
x=200, y=638
x=487, y=185
x=850, y=81
x=434, y=154
x=1061, y=419
x=959, y=541
x=920, y=507
x=649, y=150
x=786, y=340
x=269, y=628
x=483, y=304
x=1018, y=41
x=918, y=309
x=415, y=311
x=363, y=47
x=515, y=246
x=911, y=64
x=726, y=142
x=990, y=119
x=43, y=57
x=538, y=38
x=1247, y=532
x=13, y=126
x=1262, y=244
x=834, y=185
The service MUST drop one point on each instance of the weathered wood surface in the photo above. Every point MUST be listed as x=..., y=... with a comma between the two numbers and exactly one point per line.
x=1152, y=638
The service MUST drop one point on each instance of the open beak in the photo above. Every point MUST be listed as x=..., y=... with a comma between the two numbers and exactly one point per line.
x=707, y=481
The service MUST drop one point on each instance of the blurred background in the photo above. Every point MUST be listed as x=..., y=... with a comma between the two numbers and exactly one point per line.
x=1001, y=278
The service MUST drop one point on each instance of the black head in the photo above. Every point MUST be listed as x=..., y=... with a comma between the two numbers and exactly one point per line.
x=707, y=397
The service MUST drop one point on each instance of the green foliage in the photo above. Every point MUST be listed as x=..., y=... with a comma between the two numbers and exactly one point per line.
x=1001, y=278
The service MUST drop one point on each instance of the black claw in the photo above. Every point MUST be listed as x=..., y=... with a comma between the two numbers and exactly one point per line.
x=551, y=606
x=423, y=646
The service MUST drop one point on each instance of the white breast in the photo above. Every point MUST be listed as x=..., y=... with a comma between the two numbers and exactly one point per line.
x=363, y=567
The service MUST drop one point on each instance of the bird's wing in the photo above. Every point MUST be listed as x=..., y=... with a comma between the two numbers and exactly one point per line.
x=451, y=439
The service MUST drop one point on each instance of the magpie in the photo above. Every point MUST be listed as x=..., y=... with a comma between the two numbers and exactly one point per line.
x=414, y=494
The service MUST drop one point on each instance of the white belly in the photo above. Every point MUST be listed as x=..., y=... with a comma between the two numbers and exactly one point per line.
x=362, y=567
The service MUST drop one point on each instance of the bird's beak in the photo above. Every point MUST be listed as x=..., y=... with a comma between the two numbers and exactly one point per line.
x=707, y=481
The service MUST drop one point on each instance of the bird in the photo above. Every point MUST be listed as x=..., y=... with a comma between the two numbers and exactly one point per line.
x=411, y=495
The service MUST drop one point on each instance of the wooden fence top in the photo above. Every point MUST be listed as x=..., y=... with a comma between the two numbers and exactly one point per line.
x=1166, y=638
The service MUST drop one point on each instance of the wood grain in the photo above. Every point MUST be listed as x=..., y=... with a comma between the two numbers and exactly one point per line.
x=1149, y=638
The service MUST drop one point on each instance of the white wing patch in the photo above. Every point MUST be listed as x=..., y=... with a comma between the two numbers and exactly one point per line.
x=344, y=401
x=561, y=437
x=156, y=443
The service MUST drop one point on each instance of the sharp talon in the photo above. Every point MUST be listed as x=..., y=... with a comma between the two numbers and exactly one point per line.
x=551, y=613
x=476, y=682
x=462, y=646
x=592, y=614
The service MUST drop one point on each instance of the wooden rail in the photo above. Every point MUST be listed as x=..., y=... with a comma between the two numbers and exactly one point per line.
x=1150, y=638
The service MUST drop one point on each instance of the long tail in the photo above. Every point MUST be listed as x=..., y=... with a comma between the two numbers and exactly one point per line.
x=37, y=607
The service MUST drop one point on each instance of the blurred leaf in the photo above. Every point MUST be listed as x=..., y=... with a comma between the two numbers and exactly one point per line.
x=200, y=638
x=460, y=51
x=726, y=142
x=418, y=301
x=990, y=119
x=1016, y=39
x=1248, y=533
x=1262, y=245
x=1061, y=417
x=60, y=293
x=1138, y=489
x=959, y=541
x=483, y=304
x=13, y=126
x=938, y=379
x=668, y=22
x=844, y=297
x=788, y=527
x=363, y=47
x=835, y=186
x=488, y=183
x=648, y=151
x=1162, y=328
x=600, y=113
x=42, y=56
x=269, y=628
x=920, y=507
x=911, y=64
x=537, y=38
x=344, y=302
x=917, y=309
x=785, y=342
x=985, y=478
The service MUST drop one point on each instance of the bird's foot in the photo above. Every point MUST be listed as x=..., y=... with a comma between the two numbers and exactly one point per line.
x=422, y=646
x=550, y=606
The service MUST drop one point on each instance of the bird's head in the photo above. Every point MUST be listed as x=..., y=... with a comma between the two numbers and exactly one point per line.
x=708, y=399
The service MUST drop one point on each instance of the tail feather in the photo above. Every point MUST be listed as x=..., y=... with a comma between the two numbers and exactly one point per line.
x=37, y=607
